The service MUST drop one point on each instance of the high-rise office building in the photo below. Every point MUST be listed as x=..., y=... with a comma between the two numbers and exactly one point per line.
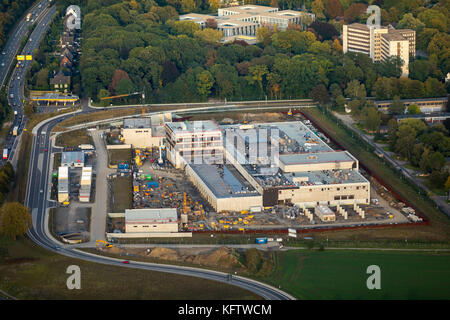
x=380, y=43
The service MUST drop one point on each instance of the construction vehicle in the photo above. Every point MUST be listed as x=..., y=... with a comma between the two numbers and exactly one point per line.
x=107, y=244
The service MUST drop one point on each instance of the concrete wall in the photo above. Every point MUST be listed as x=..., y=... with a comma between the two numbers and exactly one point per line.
x=303, y=167
x=149, y=235
x=118, y=146
x=222, y=204
x=325, y=194
x=151, y=227
x=141, y=138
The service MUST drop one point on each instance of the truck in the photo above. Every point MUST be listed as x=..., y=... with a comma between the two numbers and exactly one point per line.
x=15, y=131
x=86, y=147
x=29, y=16
x=5, y=154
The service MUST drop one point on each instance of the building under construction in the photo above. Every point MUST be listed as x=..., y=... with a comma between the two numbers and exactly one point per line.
x=296, y=167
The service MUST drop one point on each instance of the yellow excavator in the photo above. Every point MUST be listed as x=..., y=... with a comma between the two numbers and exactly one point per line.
x=107, y=244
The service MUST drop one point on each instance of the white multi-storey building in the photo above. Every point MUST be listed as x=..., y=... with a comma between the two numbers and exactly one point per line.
x=380, y=43
x=242, y=21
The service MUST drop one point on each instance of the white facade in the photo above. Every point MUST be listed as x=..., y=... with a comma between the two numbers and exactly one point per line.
x=245, y=20
x=141, y=134
x=163, y=220
x=189, y=142
x=380, y=43
x=76, y=12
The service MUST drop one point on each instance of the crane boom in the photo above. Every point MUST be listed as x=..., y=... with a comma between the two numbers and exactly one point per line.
x=120, y=95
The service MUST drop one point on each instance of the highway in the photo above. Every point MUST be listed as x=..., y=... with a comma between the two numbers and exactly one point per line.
x=41, y=18
x=16, y=36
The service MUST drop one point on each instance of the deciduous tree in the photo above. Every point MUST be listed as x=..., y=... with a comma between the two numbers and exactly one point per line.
x=15, y=220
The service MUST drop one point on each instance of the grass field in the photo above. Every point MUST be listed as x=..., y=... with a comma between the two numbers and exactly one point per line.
x=342, y=275
x=73, y=138
x=117, y=156
x=439, y=228
x=122, y=196
x=30, y=272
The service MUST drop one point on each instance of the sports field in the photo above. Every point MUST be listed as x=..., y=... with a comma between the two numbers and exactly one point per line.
x=342, y=274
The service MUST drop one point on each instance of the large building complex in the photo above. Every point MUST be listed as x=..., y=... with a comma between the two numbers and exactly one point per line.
x=242, y=21
x=269, y=164
x=380, y=43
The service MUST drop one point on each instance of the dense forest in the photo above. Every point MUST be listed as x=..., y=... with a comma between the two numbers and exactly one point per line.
x=140, y=45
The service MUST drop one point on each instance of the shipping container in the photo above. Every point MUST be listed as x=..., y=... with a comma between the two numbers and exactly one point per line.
x=261, y=240
x=152, y=184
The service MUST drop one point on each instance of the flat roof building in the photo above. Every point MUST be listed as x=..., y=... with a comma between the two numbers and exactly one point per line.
x=223, y=187
x=72, y=159
x=193, y=142
x=239, y=21
x=291, y=165
x=380, y=43
x=142, y=133
x=164, y=220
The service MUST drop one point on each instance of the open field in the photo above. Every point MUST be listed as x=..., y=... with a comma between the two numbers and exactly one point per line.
x=121, y=194
x=342, y=275
x=439, y=228
x=117, y=156
x=73, y=138
x=30, y=272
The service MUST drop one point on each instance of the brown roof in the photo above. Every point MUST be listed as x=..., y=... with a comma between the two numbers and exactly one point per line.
x=60, y=78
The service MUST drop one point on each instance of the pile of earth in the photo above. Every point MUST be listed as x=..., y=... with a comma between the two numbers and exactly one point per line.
x=223, y=257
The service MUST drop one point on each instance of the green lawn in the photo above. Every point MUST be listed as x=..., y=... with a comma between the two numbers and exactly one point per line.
x=73, y=138
x=122, y=194
x=117, y=156
x=342, y=275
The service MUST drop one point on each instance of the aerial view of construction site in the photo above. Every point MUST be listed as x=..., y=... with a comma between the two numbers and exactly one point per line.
x=177, y=179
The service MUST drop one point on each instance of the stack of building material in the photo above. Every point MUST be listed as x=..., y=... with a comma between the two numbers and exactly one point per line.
x=342, y=211
x=324, y=213
x=85, y=185
x=63, y=184
x=359, y=210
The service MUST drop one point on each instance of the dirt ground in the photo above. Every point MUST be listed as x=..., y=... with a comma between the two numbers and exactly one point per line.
x=223, y=257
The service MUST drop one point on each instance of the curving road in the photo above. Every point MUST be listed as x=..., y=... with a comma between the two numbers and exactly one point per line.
x=36, y=200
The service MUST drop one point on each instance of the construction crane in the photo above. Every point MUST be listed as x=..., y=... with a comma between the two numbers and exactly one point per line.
x=124, y=95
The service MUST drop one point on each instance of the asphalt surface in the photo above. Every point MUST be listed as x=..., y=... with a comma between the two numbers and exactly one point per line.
x=41, y=18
